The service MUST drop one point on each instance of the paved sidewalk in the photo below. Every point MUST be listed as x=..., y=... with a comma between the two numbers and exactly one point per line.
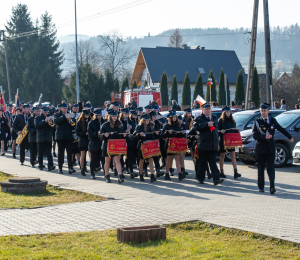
x=235, y=203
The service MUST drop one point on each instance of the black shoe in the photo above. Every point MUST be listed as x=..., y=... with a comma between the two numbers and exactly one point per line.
x=54, y=155
x=180, y=176
x=145, y=172
x=32, y=166
x=14, y=156
x=115, y=172
x=71, y=170
x=51, y=169
x=201, y=182
x=218, y=182
x=120, y=179
x=236, y=174
x=171, y=170
x=60, y=171
x=82, y=173
x=123, y=176
x=159, y=173
x=107, y=178
x=98, y=169
x=74, y=164
x=93, y=177
x=2, y=154
x=172, y=174
x=142, y=178
x=123, y=169
x=44, y=166
x=132, y=175
x=261, y=190
x=272, y=191
x=222, y=175
x=21, y=163
x=167, y=177
x=36, y=162
x=152, y=178
x=40, y=168
x=135, y=166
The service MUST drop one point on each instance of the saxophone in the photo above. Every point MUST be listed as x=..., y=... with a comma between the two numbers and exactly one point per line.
x=21, y=137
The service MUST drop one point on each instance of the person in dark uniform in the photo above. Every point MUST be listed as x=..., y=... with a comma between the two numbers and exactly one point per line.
x=132, y=151
x=207, y=144
x=4, y=129
x=263, y=132
x=64, y=137
x=140, y=112
x=163, y=152
x=227, y=125
x=32, y=136
x=44, y=127
x=8, y=114
x=83, y=140
x=133, y=104
x=14, y=135
x=19, y=123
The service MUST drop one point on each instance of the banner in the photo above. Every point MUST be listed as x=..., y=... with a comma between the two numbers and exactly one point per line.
x=232, y=140
x=150, y=149
x=177, y=145
x=200, y=100
x=116, y=147
x=2, y=102
x=196, y=153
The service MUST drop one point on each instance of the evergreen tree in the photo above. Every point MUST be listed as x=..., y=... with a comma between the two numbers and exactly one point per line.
x=198, y=87
x=213, y=88
x=174, y=90
x=134, y=85
x=145, y=83
x=239, y=89
x=222, y=93
x=255, y=89
x=186, y=91
x=164, y=89
x=116, y=85
x=125, y=84
x=228, y=93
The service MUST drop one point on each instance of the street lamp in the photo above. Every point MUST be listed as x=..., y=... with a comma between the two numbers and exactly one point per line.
x=77, y=70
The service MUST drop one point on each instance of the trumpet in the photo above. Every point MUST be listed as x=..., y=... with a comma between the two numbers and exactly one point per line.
x=51, y=121
x=69, y=118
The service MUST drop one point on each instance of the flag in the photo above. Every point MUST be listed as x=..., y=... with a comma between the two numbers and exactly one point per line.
x=2, y=103
x=40, y=99
x=17, y=101
x=200, y=100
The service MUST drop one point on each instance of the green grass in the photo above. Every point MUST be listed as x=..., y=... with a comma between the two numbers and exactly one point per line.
x=196, y=240
x=52, y=196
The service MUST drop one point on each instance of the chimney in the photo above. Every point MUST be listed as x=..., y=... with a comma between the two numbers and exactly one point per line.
x=185, y=46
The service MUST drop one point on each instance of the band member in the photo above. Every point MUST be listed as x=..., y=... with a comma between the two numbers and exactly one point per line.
x=140, y=112
x=173, y=129
x=145, y=131
x=75, y=149
x=163, y=151
x=19, y=123
x=4, y=129
x=14, y=135
x=44, y=128
x=75, y=110
x=227, y=125
x=207, y=144
x=132, y=151
x=182, y=155
x=148, y=109
x=112, y=129
x=83, y=140
x=263, y=132
x=32, y=135
x=115, y=106
x=93, y=129
x=64, y=137
x=8, y=114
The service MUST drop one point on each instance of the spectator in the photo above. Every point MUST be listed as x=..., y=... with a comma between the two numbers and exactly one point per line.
x=297, y=106
x=243, y=105
x=196, y=105
x=252, y=105
x=276, y=105
x=175, y=106
x=233, y=104
x=283, y=104
x=133, y=104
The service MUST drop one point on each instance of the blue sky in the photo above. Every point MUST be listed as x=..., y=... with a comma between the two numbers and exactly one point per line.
x=157, y=15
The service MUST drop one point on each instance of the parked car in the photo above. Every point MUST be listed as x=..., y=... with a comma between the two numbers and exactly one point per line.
x=296, y=154
x=244, y=119
x=289, y=120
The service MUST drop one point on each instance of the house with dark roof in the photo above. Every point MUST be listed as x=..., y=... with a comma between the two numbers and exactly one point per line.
x=152, y=62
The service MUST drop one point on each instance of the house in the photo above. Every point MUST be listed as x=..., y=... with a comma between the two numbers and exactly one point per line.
x=152, y=62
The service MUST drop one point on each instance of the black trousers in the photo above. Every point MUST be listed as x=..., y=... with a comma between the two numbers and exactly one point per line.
x=130, y=159
x=62, y=146
x=33, y=152
x=22, y=148
x=156, y=162
x=262, y=161
x=204, y=158
x=96, y=157
x=45, y=148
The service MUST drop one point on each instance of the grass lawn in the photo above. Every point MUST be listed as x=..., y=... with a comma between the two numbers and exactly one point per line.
x=52, y=196
x=195, y=240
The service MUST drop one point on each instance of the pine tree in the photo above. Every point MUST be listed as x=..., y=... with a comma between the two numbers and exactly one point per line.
x=174, y=90
x=125, y=84
x=145, y=83
x=134, y=85
x=222, y=93
x=228, y=93
x=164, y=89
x=198, y=87
x=239, y=89
x=213, y=88
x=186, y=91
x=116, y=85
x=255, y=89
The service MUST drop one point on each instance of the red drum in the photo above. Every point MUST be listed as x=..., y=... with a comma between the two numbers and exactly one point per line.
x=196, y=153
x=150, y=149
x=116, y=147
x=177, y=145
x=232, y=140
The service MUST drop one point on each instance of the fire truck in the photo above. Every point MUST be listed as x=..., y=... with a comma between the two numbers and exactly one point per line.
x=141, y=96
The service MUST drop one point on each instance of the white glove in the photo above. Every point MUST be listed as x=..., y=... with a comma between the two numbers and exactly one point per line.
x=6, y=135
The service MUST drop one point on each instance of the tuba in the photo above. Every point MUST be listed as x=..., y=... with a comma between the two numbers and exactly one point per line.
x=21, y=137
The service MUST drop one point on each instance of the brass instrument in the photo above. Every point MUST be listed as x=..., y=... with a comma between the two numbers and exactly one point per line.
x=21, y=137
x=69, y=118
x=51, y=121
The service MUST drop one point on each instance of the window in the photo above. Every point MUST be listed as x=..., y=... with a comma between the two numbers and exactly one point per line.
x=201, y=70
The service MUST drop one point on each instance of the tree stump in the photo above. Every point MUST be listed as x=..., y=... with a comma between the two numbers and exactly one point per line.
x=141, y=234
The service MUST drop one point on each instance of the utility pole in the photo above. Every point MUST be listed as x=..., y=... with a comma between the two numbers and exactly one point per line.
x=269, y=98
x=2, y=39
x=77, y=70
x=252, y=56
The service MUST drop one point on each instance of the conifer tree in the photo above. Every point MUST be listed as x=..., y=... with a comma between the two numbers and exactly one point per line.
x=164, y=89
x=125, y=84
x=198, y=87
x=116, y=85
x=174, y=90
x=134, y=85
x=255, y=89
x=222, y=93
x=186, y=91
x=239, y=89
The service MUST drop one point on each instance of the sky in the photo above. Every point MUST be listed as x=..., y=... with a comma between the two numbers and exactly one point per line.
x=154, y=16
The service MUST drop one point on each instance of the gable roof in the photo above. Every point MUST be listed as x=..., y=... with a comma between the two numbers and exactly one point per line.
x=177, y=61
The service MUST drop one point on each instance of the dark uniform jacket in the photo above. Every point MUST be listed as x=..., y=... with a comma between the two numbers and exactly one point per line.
x=260, y=130
x=19, y=124
x=31, y=129
x=83, y=139
x=133, y=106
x=43, y=129
x=93, y=128
x=63, y=128
x=149, y=134
x=208, y=140
x=3, y=128
x=166, y=134
x=107, y=129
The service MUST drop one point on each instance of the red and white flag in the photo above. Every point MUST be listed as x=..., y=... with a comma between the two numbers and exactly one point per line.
x=200, y=100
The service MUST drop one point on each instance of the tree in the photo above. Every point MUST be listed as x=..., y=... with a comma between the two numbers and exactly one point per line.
x=186, y=91
x=176, y=39
x=134, y=85
x=145, y=83
x=228, y=93
x=164, y=89
x=255, y=88
x=174, y=90
x=198, y=87
x=125, y=84
x=213, y=88
x=222, y=93
x=116, y=85
x=239, y=89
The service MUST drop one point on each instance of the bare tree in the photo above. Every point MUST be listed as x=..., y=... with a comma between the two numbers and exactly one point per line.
x=176, y=39
x=86, y=55
x=115, y=53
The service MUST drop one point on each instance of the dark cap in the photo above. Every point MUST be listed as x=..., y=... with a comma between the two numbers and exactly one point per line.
x=133, y=112
x=172, y=113
x=155, y=106
x=180, y=117
x=125, y=110
x=112, y=112
x=152, y=113
x=206, y=105
x=22, y=103
x=98, y=111
x=141, y=109
x=188, y=110
x=87, y=105
x=86, y=111
x=10, y=105
x=146, y=116
x=63, y=105
x=26, y=106
x=148, y=107
x=116, y=104
x=35, y=108
x=45, y=109
x=264, y=105
x=17, y=108
x=163, y=120
x=227, y=108
x=75, y=105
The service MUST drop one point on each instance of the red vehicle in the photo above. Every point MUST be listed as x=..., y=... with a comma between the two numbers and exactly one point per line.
x=141, y=97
